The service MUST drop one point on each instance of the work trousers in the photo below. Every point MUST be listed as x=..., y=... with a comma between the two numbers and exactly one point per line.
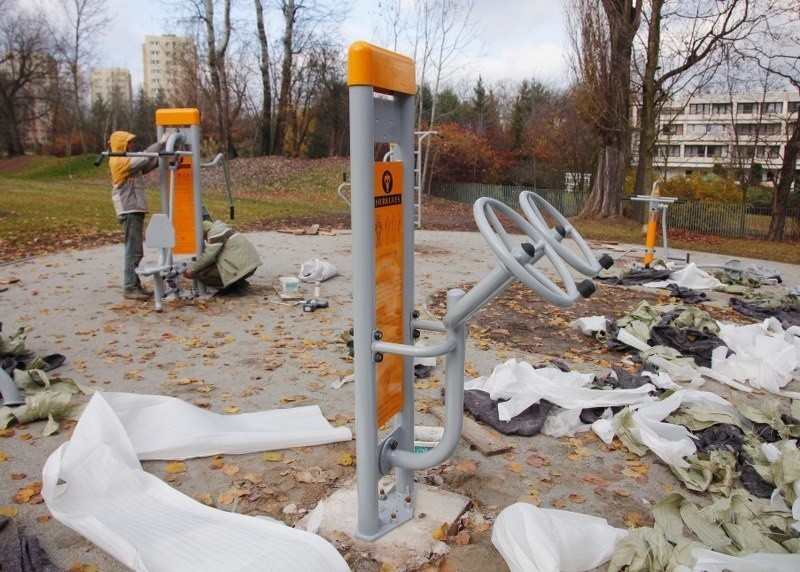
x=133, y=228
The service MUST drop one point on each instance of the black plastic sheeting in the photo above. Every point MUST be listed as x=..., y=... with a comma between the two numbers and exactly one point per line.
x=21, y=553
x=786, y=314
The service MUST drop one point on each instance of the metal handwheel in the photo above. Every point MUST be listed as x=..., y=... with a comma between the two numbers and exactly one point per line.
x=585, y=261
x=518, y=258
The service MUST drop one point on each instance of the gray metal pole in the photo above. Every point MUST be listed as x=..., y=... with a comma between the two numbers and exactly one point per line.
x=362, y=149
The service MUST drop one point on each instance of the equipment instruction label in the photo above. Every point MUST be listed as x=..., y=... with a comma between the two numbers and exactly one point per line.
x=389, y=284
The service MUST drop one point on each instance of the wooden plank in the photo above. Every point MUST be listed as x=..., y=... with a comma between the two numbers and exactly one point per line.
x=484, y=439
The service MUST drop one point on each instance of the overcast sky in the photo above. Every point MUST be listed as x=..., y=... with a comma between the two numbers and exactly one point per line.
x=514, y=39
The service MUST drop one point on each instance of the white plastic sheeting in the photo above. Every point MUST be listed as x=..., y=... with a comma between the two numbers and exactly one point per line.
x=689, y=277
x=523, y=385
x=95, y=485
x=533, y=539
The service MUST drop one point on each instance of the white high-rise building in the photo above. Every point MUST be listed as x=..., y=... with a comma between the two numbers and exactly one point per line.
x=108, y=83
x=168, y=61
x=729, y=131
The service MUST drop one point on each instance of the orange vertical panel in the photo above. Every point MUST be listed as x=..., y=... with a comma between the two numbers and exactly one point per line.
x=183, y=209
x=389, y=284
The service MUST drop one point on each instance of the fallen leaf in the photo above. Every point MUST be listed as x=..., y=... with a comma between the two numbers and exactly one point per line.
x=559, y=503
x=18, y=476
x=514, y=467
x=575, y=498
x=230, y=470
x=273, y=456
x=217, y=463
x=623, y=493
x=226, y=497
x=231, y=409
x=8, y=511
x=633, y=519
x=44, y=518
x=462, y=538
x=79, y=567
x=595, y=480
x=467, y=466
x=345, y=459
x=176, y=467
x=3, y=457
x=441, y=532
x=537, y=461
x=205, y=498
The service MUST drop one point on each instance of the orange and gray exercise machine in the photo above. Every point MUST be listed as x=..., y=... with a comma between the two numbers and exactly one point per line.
x=178, y=228
x=386, y=325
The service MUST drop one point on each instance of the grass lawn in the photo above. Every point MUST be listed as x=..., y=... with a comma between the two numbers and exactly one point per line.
x=48, y=204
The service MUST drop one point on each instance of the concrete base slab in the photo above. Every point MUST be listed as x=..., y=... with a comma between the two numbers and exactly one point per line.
x=408, y=546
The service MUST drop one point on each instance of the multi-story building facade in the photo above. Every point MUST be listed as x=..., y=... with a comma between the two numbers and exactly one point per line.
x=167, y=61
x=725, y=131
x=110, y=84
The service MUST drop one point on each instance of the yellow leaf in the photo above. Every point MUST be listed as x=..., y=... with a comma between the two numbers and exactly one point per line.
x=205, y=498
x=231, y=409
x=633, y=519
x=44, y=518
x=176, y=467
x=514, y=467
x=3, y=457
x=8, y=511
x=230, y=470
x=79, y=567
x=273, y=456
x=217, y=463
x=559, y=503
x=575, y=456
x=226, y=497
x=441, y=532
x=345, y=459
x=577, y=499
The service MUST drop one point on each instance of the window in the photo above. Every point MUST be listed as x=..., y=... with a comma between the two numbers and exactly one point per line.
x=668, y=151
x=768, y=152
x=718, y=151
x=773, y=107
x=746, y=128
x=694, y=151
x=746, y=108
x=794, y=106
x=720, y=108
x=771, y=129
x=699, y=108
x=708, y=128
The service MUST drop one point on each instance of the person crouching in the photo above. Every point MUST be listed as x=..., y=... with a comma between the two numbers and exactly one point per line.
x=227, y=261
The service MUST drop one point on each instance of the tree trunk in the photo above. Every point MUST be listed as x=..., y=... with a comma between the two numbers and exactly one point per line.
x=787, y=177
x=289, y=15
x=266, y=106
x=648, y=117
x=216, y=65
x=609, y=177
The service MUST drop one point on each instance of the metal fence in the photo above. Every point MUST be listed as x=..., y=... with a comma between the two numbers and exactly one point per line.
x=725, y=219
x=568, y=204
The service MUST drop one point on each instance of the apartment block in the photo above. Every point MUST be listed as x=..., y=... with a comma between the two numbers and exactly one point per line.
x=167, y=63
x=110, y=84
x=726, y=131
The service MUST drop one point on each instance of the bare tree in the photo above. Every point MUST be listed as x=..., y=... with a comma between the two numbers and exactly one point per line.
x=84, y=23
x=602, y=32
x=700, y=30
x=265, y=138
x=775, y=49
x=26, y=71
x=216, y=49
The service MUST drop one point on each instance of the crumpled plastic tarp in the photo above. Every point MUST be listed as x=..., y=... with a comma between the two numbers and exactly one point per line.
x=95, y=485
x=689, y=277
x=522, y=386
x=533, y=539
